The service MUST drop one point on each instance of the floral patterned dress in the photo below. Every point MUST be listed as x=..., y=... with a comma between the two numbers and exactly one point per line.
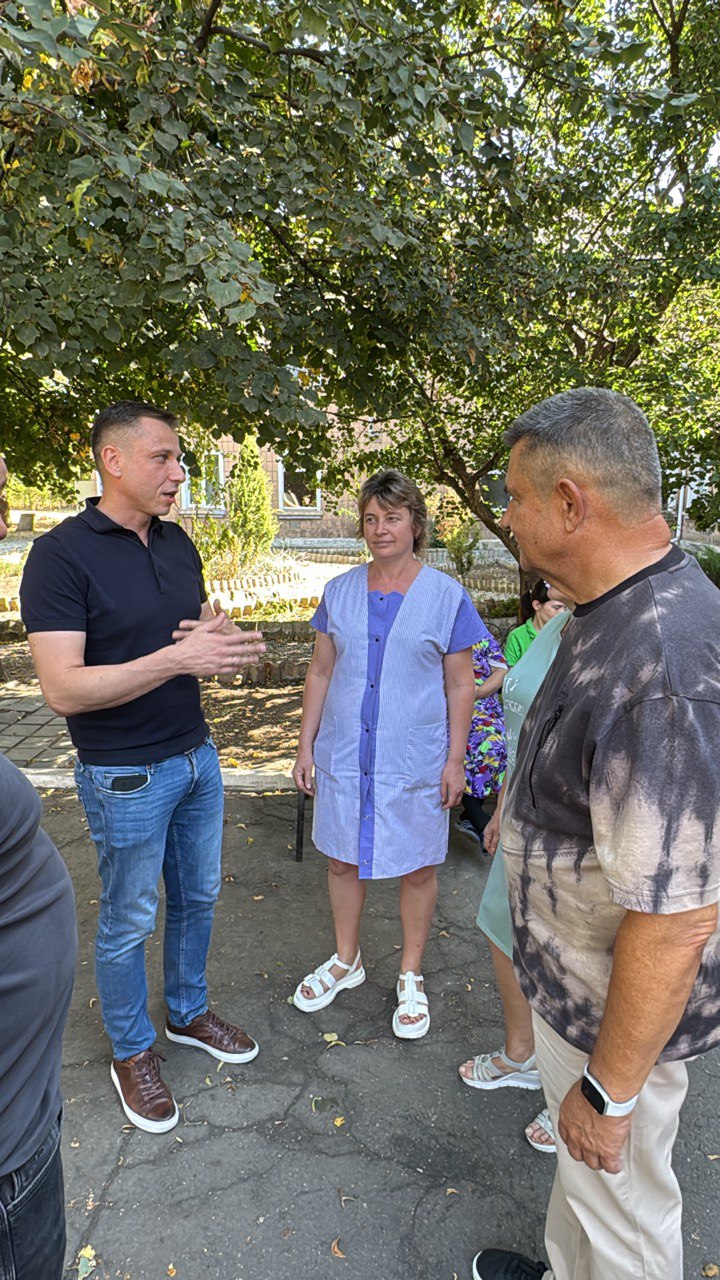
x=486, y=755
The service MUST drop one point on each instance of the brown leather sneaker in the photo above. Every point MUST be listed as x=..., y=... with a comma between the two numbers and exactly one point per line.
x=215, y=1036
x=144, y=1096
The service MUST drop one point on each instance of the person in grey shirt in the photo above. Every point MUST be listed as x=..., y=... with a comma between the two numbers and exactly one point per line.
x=38, y=946
x=611, y=837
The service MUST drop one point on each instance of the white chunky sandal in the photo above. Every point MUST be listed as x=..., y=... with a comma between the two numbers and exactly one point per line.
x=325, y=985
x=411, y=1004
x=543, y=1121
x=485, y=1075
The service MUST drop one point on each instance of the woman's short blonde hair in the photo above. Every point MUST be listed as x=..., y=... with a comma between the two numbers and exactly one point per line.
x=392, y=489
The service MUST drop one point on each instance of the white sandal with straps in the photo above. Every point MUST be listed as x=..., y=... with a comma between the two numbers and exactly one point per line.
x=411, y=1004
x=325, y=986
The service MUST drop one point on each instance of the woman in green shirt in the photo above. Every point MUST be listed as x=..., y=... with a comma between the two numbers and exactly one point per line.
x=537, y=607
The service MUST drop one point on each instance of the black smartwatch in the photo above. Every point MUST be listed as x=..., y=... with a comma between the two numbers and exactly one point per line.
x=600, y=1100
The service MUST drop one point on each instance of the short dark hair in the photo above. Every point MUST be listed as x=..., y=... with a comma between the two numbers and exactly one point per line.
x=123, y=414
x=604, y=435
x=392, y=489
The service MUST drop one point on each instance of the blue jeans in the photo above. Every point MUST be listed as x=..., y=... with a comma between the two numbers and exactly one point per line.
x=168, y=823
x=32, y=1215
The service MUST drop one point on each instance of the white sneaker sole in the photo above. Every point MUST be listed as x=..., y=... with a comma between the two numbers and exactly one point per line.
x=523, y=1080
x=410, y=1030
x=214, y=1053
x=141, y=1122
x=321, y=1002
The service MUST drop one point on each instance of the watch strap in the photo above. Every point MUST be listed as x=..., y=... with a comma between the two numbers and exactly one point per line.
x=600, y=1099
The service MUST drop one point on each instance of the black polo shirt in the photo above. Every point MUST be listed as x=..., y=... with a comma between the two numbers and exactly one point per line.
x=90, y=574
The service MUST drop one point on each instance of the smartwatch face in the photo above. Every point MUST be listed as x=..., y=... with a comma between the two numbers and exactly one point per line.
x=593, y=1095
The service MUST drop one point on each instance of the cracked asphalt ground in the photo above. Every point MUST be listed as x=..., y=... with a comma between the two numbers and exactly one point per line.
x=255, y=1185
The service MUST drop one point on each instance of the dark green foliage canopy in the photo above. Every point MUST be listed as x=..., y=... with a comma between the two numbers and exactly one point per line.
x=284, y=218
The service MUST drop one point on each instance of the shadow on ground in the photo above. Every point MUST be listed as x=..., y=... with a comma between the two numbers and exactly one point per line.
x=399, y=1173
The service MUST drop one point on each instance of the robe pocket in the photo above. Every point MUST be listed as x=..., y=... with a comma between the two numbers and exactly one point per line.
x=324, y=746
x=425, y=754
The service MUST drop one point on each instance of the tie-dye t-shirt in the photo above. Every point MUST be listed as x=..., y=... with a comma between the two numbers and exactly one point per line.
x=614, y=803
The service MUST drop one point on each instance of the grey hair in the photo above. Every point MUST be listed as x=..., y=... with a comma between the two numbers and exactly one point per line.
x=604, y=435
x=392, y=489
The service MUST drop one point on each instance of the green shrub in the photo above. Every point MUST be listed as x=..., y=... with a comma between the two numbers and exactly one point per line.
x=236, y=541
x=709, y=560
x=497, y=606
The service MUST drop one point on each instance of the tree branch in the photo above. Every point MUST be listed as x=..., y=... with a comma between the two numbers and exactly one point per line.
x=206, y=28
x=289, y=51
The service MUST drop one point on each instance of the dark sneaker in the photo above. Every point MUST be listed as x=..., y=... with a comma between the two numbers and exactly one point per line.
x=466, y=828
x=216, y=1036
x=144, y=1096
x=499, y=1264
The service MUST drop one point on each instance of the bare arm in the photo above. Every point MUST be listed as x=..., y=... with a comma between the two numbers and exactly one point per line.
x=314, y=695
x=655, y=963
x=71, y=688
x=492, y=684
x=491, y=834
x=460, y=693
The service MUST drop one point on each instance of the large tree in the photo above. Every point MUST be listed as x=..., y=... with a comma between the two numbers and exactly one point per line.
x=281, y=216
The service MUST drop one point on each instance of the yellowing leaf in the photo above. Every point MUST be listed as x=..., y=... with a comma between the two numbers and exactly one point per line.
x=335, y=1249
x=258, y=897
x=171, y=1270
x=232, y=763
x=86, y=1262
x=250, y=840
x=710, y=1269
x=452, y=1192
x=330, y=1036
x=339, y=1122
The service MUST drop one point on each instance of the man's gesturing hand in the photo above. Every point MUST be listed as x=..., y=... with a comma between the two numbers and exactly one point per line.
x=592, y=1139
x=215, y=646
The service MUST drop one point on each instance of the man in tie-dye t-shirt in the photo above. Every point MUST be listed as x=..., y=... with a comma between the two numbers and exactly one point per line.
x=611, y=836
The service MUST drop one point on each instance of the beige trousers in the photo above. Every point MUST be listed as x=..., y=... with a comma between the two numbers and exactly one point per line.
x=615, y=1226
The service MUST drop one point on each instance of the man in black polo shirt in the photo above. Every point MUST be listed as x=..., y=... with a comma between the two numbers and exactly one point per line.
x=103, y=596
x=38, y=945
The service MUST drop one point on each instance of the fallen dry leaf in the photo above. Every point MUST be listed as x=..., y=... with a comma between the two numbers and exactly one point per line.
x=452, y=1192
x=710, y=1269
x=74, y=1143
x=443, y=934
x=241, y=825
x=171, y=1270
x=323, y=1104
x=232, y=763
x=335, y=1249
x=86, y=1262
x=712, y=1157
x=339, y=1122
x=257, y=897
x=250, y=840
x=330, y=1036
x=230, y=879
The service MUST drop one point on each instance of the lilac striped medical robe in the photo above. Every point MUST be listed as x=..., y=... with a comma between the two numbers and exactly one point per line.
x=382, y=742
